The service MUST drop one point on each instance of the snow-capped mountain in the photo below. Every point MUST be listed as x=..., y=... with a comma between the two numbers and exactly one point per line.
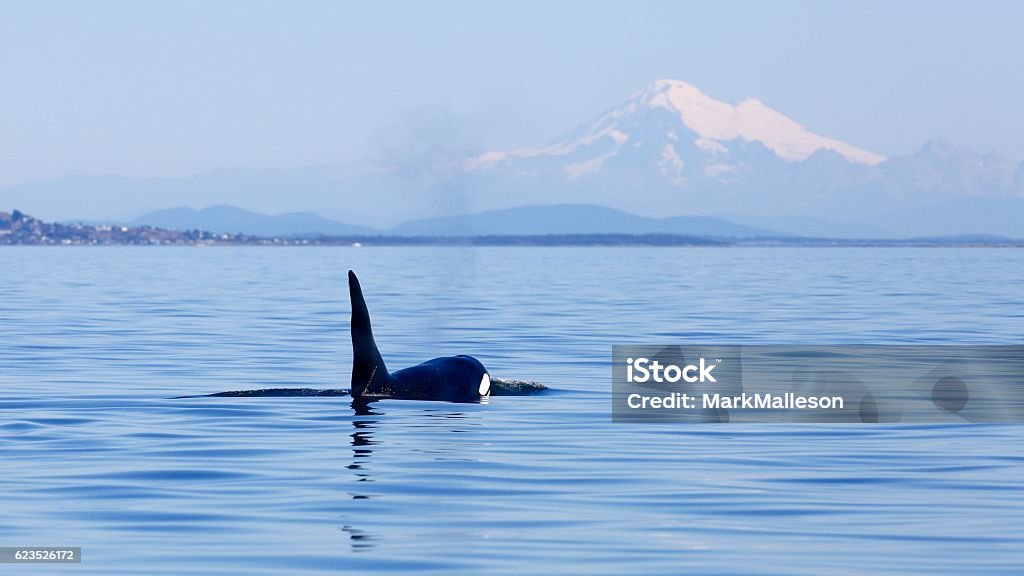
x=669, y=150
x=690, y=119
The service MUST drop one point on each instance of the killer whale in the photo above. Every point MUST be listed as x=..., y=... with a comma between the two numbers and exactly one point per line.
x=455, y=378
x=452, y=378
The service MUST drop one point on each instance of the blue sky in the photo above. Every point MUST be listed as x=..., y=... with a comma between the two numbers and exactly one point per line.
x=153, y=89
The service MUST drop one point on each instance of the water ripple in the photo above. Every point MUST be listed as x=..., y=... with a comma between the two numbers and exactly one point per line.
x=96, y=346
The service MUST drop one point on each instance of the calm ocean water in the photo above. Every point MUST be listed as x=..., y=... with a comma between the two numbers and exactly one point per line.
x=95, y=342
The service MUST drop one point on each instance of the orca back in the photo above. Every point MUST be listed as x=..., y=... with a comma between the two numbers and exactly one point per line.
x=452, y=378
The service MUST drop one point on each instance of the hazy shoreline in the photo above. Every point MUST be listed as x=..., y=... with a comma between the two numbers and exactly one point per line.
x=19, y=229
x=551, y=241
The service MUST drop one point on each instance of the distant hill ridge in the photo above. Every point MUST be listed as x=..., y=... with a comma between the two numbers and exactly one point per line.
x=525, y=220
x=231, y=219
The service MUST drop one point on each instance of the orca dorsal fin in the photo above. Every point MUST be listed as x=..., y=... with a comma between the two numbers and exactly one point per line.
x=369, y=374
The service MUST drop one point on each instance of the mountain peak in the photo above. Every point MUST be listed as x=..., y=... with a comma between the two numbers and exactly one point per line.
x=668, y=84
x=717, y=125
x=750, y=120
